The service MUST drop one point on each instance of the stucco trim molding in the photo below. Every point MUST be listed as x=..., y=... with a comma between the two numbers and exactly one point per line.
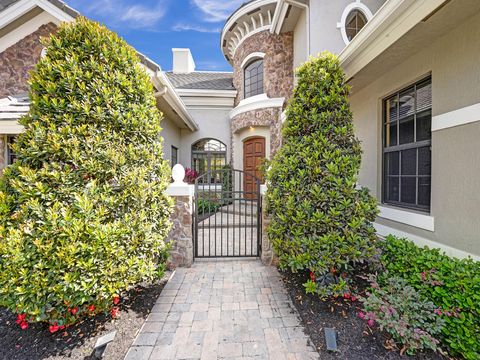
x=256, y=102
x=462, y=116
x=395, y=19
x=16, y=10
x=254, y=55
x=357, y=5
x=10, y=127
x=421, y=221
x=384, y=231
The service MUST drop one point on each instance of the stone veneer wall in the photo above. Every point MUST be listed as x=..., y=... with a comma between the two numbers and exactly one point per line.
x=181, y=234
x=19, y=59
x=264, y=117
x=277, y=63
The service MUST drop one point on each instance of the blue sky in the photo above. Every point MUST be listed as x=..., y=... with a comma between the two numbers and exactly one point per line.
x=154, y=27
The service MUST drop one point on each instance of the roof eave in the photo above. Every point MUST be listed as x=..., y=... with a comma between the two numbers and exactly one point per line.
x=392, y=21
x=172, y=97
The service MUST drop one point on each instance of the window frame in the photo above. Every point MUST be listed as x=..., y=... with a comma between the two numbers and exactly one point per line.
x=11, y=155
x=209, y=155
x=174, y=150
x=399, y=148
x=357, y=12
x=342, y=25
x=259, y=89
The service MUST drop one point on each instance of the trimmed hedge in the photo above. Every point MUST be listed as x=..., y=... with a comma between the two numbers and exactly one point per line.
x=83, y=211
x=320, y=220
x=451, y=284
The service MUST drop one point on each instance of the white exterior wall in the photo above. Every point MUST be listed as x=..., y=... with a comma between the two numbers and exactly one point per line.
x=171, y=137
x=453, y=63
x=324, y=16
x=300, y=39
x=213, y=123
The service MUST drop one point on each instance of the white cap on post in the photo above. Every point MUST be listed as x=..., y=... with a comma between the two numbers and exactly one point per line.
x=179, y=187
x=178, y=174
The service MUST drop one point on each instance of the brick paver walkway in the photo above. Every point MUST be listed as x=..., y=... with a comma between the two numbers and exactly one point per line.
x=223, y=310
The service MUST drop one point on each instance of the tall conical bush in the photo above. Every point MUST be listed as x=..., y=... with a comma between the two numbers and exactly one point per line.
x=320, y=220
x=83, y=211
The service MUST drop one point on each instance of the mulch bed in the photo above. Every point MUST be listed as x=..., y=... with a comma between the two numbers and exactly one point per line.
x=78, y=341
x=355, y=340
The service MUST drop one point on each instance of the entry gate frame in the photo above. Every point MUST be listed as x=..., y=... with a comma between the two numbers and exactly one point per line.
x=212, y=180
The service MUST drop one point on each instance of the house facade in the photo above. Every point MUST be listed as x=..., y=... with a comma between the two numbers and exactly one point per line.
x=414, y=73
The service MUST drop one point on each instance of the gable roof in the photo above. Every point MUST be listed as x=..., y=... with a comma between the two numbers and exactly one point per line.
x=200, y=80
x=58, y=3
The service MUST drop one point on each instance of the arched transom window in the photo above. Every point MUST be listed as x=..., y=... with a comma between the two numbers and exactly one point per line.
x=254, y=78
x=209, y=155
x=355, y=22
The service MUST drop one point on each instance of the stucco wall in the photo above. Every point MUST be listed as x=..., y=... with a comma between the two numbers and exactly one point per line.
x=300, y=40
x=171, y=137
x=212, y=123
x=453, y=63
x=324, y=16
x=19, y=59
x=277, y=63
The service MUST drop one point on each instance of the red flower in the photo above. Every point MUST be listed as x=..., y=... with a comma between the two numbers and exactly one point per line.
x=24, y=325
x=91, y=308
x=62, y=327
x=361, y=315
x=116, y=300
x=354, y=298
x=312, y=276
x=74, y=310
x=114, y=312
x=346, y=295
x=21, y=318
x=371, y=322
x=53, y=328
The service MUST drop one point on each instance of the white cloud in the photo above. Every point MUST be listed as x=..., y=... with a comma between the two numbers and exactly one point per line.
x=124, y=12
x=142, y=15
x=217, y=10
x=196, y=28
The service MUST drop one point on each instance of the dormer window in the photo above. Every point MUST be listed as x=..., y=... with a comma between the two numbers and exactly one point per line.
x=254, y=78
x=356, y=20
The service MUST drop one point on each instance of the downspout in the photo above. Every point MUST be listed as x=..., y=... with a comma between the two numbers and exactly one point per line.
x=164, y=84
x=162, y=92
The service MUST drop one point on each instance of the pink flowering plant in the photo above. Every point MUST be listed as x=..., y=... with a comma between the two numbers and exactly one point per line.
x=190, y=175
x=398, y=309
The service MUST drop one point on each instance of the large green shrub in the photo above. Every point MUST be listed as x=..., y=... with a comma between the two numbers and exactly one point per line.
x=451, y=284
x=83, y=212
x=320, y=220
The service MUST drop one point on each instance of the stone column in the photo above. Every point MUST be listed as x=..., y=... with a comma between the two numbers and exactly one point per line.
x=181, y=235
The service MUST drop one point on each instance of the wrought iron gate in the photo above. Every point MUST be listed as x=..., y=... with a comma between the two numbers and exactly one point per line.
x=227, y=214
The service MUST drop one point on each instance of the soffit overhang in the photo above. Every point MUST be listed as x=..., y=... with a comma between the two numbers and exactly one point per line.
x=398, y=31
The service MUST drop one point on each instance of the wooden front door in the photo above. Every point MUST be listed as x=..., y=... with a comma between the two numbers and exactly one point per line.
x=253, y=156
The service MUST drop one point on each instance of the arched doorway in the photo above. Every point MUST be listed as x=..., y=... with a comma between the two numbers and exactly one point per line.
x=253, y=157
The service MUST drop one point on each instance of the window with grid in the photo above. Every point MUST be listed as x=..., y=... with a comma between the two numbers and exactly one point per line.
x=174, y=155
x=407, y=139
x=209, y=156
x=254, y=78
x=11, y=156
